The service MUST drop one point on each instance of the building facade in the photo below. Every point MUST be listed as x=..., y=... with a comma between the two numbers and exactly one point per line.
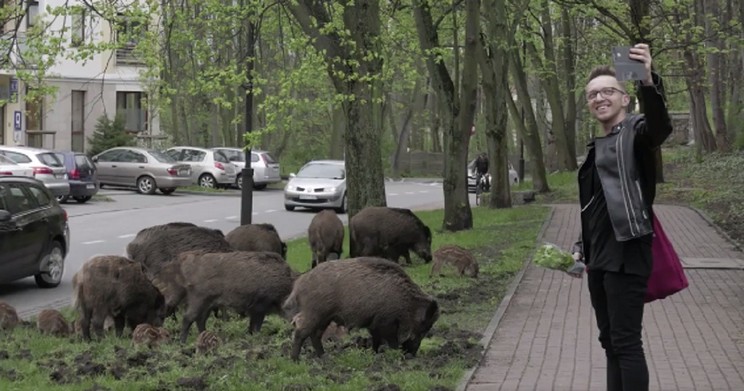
x=107, y=84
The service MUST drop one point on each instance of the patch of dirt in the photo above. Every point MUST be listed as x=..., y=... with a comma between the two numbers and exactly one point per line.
x=87, y=367
x=24, y=354
x=139, y=359
x=63, y=374
x=192, y=383
x=388, y=387
x=4, y=355
x=97, y=387
x=9, y=374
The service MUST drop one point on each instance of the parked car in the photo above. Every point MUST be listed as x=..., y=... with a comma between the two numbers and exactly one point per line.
x=318, y=184
x=266, y=169
x=209, y=168
x=82, y=175
x=44, y=164
x=34, y=233
x=147, y=170
x=513, y=176
x=10, y=168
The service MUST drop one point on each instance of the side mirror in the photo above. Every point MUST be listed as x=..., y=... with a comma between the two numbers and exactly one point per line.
x=95, y=159
x=5, y=216
x=292, y=175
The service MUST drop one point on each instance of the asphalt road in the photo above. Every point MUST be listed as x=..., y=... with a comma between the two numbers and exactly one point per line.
x=106, y=227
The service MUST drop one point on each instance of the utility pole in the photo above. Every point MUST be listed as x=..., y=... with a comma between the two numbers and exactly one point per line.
x=246, y=191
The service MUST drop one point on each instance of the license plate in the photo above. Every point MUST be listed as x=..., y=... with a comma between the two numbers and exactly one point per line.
x=308, y=197
x=90, y=187
x=58, y=176
x=184, y=173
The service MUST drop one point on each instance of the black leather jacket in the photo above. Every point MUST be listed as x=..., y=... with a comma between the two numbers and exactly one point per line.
x=626, y=166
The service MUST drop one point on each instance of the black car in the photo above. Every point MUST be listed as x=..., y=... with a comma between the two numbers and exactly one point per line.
x=81, y=173
x=34, y=234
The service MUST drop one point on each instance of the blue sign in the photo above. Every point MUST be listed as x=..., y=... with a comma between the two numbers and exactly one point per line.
x=17, y=118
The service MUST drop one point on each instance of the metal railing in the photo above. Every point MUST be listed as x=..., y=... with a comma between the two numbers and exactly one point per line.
x=125, y=55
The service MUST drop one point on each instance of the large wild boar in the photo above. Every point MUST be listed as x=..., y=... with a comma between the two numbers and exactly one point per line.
x=371, y=293
x=115, y=286
x=160, y=244
x=326, y=236
x=251, y=283
x=390, y=233
x=256, y=237
x=8, y=316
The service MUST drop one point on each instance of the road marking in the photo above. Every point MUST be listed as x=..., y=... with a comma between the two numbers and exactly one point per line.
x=94, y=242
x=210, y=220
x=392, y=194
x=255, y=213
x=126, y=236
x=423, y=191
x=231, y=217
x=270, y=211
x=410, y=192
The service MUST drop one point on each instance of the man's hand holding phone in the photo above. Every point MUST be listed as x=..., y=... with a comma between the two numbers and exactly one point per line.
x=633, y=63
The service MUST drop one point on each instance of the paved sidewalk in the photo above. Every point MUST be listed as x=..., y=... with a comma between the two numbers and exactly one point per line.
x=694, y=340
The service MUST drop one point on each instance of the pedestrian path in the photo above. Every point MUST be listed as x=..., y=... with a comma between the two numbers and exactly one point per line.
x=694, y=340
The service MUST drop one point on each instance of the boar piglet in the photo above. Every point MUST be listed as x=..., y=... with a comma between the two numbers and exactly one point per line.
x=251, y=283
x=157, y=245
x=462, y=259
x=326, y=236
x=390, y=233
x=50, y=321
x=117, y=287
x=8, y=316
x=256, y=237
x=371, y=293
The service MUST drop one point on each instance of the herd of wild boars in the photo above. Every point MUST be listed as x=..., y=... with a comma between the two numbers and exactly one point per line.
x=187, y=271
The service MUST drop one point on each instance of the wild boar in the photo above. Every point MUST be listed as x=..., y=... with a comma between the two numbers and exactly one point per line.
x=326, y=236
x=257, y=237
x=371, y=293
x=149, y=335
x=115, y=286
x=462, y=259
x=389, y=233
x=8, y=316
x=50, y=321
x=160, y=244
x=251, y=283
x=207, y=342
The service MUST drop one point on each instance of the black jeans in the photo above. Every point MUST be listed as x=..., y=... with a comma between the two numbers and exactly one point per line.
x=617, y=299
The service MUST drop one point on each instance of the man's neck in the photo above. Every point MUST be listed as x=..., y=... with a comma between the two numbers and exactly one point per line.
x=607, y=126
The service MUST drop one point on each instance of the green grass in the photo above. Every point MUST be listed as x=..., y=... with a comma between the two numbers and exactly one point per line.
x=501, y=240
x=200, y=189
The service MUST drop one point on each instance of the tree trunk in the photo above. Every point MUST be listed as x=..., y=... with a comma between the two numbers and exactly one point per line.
x=336, y=149
x=401, y=140
x=495, y=71
x=455, y=120
x=531, y=134
x=695, y=84
x=355, y=71
x=716, y=75
x=569, y=75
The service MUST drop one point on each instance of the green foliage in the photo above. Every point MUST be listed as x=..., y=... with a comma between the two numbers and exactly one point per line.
x=109, y=134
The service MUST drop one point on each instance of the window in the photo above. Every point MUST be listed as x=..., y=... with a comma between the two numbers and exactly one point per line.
x=77, y=28
x=220, y=157
x=78, y=120
x=16, y=199
x=130, y=105
x=32, y=12
x=19, y=158
x=128, y=31
x=174, y=153
x=82, y=162
x=111, y=156
x=35, y=114
x=254, y=157
x=133, y=157
x=192, y=155
x=50, y=159
x=42, y=198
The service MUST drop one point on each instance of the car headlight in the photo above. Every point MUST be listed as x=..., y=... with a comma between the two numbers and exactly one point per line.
x=291, y=188
x=331, y=189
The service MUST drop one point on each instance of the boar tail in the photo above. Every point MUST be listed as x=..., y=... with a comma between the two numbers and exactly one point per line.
x=290, y=306
x=77, y=289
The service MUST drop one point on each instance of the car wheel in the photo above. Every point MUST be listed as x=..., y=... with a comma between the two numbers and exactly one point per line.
x=52, y=267
x=207, y=180
x=82, y=200
x=239, y=181
x=289, y=207
x=63, y=199
x=146, y=185
x=259, y=187
x=342, y=208
x=167, y=190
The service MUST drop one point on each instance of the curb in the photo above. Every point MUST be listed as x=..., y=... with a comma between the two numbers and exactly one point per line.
x=503, y=306
x=718, y=229
x=415, y=180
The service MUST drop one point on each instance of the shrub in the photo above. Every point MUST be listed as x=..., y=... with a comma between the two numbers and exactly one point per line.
x=109, y=134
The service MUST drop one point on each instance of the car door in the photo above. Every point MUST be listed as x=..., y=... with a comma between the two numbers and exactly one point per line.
x=24, y=235
x=132, y=166
x=107, y=165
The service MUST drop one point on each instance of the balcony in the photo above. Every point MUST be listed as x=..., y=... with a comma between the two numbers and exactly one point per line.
x=126, y=55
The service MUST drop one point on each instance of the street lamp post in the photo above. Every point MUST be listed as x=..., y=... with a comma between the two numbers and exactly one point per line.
x=246, y=191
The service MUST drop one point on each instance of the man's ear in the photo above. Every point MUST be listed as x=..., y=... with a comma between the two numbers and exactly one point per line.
x=626, y=100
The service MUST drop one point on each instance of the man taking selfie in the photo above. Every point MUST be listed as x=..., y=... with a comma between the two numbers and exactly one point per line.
x=617, y=186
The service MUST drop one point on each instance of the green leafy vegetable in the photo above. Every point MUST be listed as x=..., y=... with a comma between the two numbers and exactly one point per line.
x=552, y=257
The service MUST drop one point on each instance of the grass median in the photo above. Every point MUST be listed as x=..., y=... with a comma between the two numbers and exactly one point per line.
x=501, y=240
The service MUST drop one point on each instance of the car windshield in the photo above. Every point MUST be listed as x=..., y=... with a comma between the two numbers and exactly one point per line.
x=320, y=170
x=50, y=159
x=162, y=157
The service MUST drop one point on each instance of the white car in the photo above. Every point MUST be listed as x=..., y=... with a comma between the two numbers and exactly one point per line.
x=10, y=168
x=209, y=168
x=44, y=164
x=266, y=169
x=319, y=184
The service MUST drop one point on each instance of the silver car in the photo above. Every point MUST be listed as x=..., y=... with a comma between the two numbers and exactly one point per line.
x=266, y=169
x=318, y=184
x=45, y=167
x=11, y=168
x=209, y=168
x=146, y=169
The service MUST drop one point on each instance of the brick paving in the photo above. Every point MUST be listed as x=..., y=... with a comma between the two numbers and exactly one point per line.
x=694, y=340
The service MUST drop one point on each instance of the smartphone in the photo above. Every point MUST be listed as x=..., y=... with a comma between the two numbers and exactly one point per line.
x=625, y=67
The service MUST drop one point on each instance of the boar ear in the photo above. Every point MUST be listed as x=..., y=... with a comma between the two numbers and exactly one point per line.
x=428, y=312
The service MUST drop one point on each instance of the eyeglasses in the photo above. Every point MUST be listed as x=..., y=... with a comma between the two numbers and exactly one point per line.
x=606, y=92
